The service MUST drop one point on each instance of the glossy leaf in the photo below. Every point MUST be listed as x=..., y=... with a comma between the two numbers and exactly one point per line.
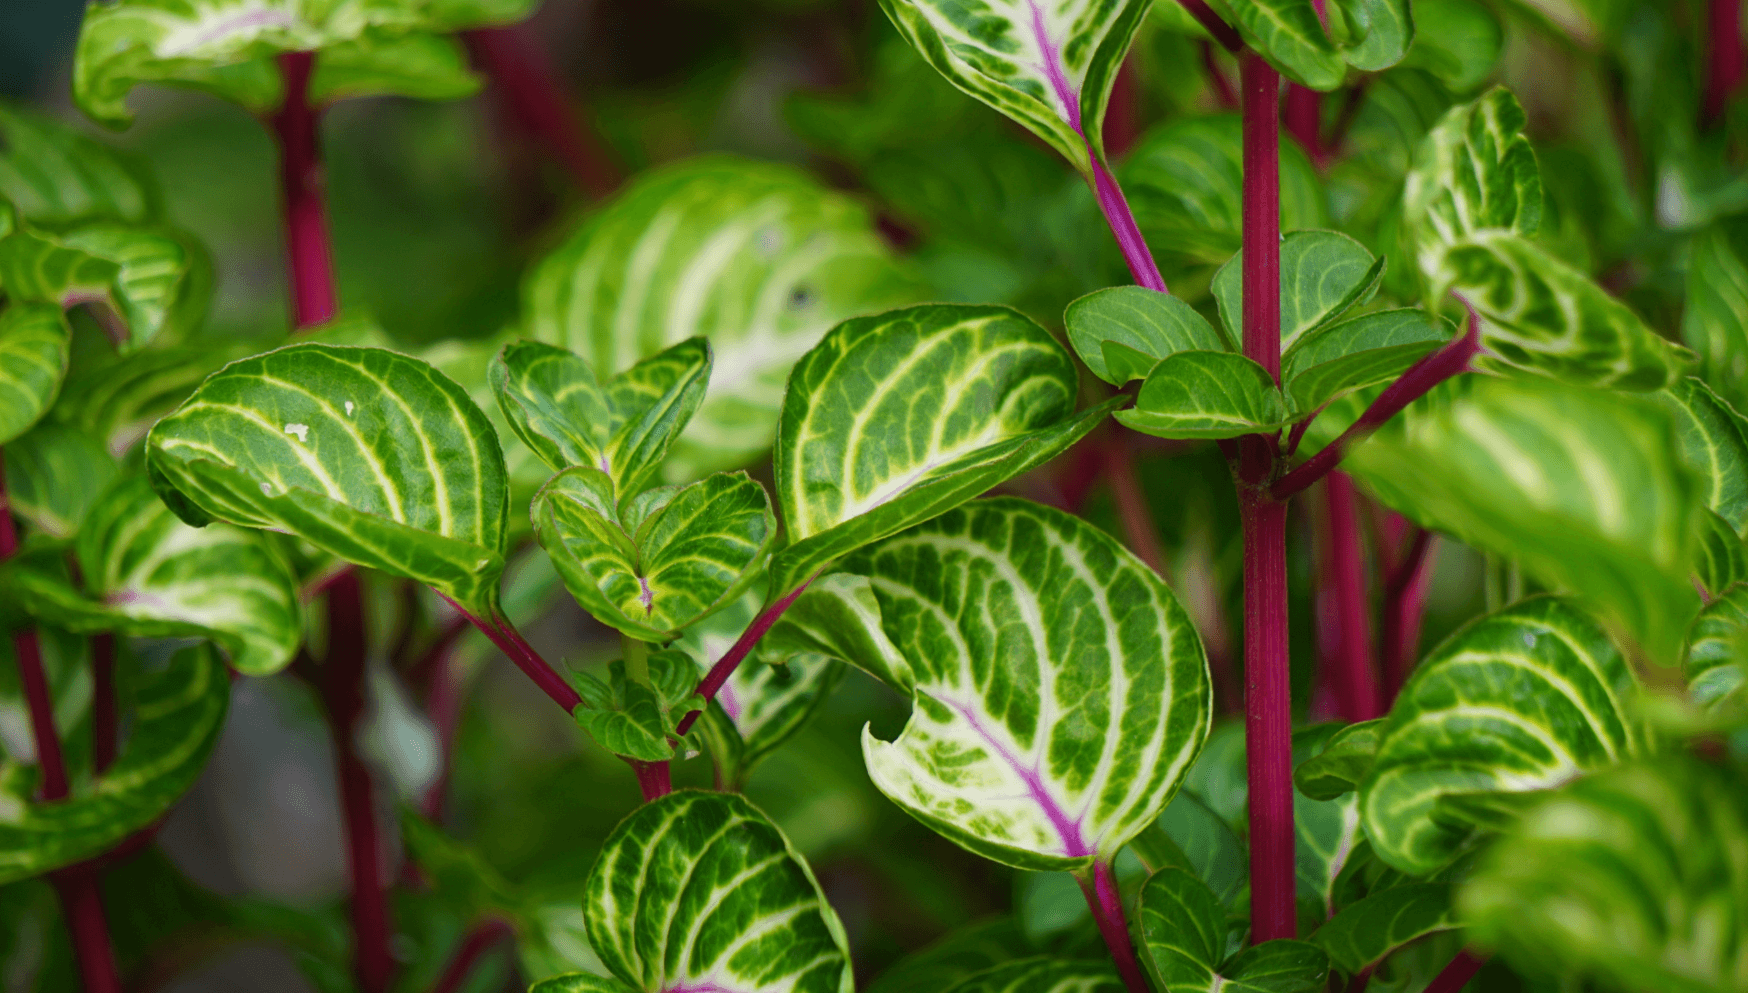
x=636, y=719
x=1341, y=763
x=369, y=455
x=1059, y=690
x=665, y=559
x=1288, y=34
x=1714, y=440
x=1524, y=699
x=1183, y=943
x=757, y=257
x=177, y=718
x=893, y=419
x=1049, y=66
x=1041, y=975
x=163, y=279
x=1373, y=927
x=700, y=890
x=1206, y=395
x=1146, y=326
x=1721, y=557
x=1716, y=663
x=623, y=427
x=53, y=475
x=1389, y=30
x=1367, y=351
x=1324, y=274
x=56, y=176
x=1207, y=846
x=1327, y=833
x=1636, y=877
x=38, y=267
x=1587, y=492
x=33, y=359
x=1473, y=172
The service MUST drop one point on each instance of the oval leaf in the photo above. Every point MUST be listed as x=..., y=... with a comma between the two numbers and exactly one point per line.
x=53, y=475
x=1716, y=666
x=33, y=360
x=1714, y=439
x=1373, y=927
x=1183, y=931
x=1290, y=36
x=1366, y=351
x=1324, y=274
x=1206, y=395
x=1148, y=324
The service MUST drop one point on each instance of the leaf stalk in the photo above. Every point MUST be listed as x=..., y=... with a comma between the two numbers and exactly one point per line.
x=1353, y=672
x=1106, y=903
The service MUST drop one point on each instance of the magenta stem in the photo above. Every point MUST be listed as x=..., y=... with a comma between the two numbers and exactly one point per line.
x=1107, y=909
x=1261, y=86
x=1304, y=120
x=1224, y=95
x=443, y=700
x=1725, y=61
x=343, y=675
x=743, y=646
x=1122, y=223
x=1132, y=509
x=652, y=778
x=1405, y=607
x=529, y=91
x=103, y=714
x=479, y=940
x=1421, y=377
x=1457, y=975
x=1353, y=673
x=510, y=641
x=82, y=906
x=309, y=254
x=1222, y=32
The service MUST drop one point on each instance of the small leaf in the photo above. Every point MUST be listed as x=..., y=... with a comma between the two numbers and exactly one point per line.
x=1206, y=395
x=1391, y=30
x=163, y=280
x=1714, y=440
x=670, y=558
x=896, y=418
x=1327, y=833
x=33, y=359
x=1636, y=877
x=1041, y=975
x=1523, y=699
x=632, y=719
x=1147, y=325
x=1721, y=558
x=369, y=455
x=1369, y=929
x=1324, y=274
x=417, y=65
x=623, y=427
x=57, y=176
x=53, y=475
x=1458, y=41
x=1048, y=66
x=964, y=952
x=1207, y=845
x=694, y=890
x=1290, y=36
x=177, y=718
x=37, y=267
x=1341, y=764
x=1366, y=351
x=1716, y=662
x=1183, y=931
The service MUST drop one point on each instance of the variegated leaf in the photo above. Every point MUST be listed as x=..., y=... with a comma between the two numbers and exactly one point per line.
x=1714, y=439
x=117, y=398
x=623, y=427
x=1207, y=395
x=1385, y=28
x=1324, y=274
x=1636, y=878
x=1365, y=931
x=1122, y=332
x=700, y=891
x=1474, y=171
x=1184, y=940
x=637, y=719
x=1524, y=699
x=580, y=982
x=1041, y=975
x=1327, y=833
x=1716, y=663
x=57, y=176
x=371, y=456
x=1721, y=559
x=962, y=953
x=53, y=476
x=1048, y=64
x=1341, y=762
x=33, y=359
x=177, y=718
x=756, y=257
x=893, y=419
x=1587, y=492
x=1367, y=351
x=1290, y=36
x=663, y=560
x=1059, y=689
x=38, y=267
x=1715, y=321
x=163, y=278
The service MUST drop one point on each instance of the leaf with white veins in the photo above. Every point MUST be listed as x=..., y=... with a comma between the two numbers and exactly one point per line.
x=1374, y=926
x=1143, y=325
x=33, y=359
x=1206, y=395
x=1183, y=943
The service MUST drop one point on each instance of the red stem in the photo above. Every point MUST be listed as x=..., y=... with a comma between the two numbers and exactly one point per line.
x=82, y=904
x=475, y=944
x=510, y=641
x=1353, y=674
x=443, y=699
x=1107, y=909
x=1224, y=94
x=1123, y=111
x=725, y=666
x=309, y=254
x=1457, y=975
x=1132, y=508
x=343, y=675
x=1421, y=377
x=103, y=716
x=1261, y=86
x=1304, y=119
x=1405, y=607
x=1222, y=32
x=1725, y=61
x=652, y=778
x=1122, y=223
x=42, y=714
x=530, y=94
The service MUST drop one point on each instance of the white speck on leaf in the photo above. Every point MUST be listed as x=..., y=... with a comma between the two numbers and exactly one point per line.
x=301, y=430
x=268, y=490
x=348, y=408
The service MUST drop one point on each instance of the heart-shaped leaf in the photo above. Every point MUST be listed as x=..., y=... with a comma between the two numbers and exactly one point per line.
x=1523, y=699
x=58, y=176
x=1714, y=440
x=1049, y=66
x=1041, y=975
x=33, y=359
x=1370, y=928
x=700, y=891
x=371, y=456
x=1587, y=492
x=1183, y=942
x=1145, y=325
x=1206, y=395
x=1324, y=274
x=1716, y=663
x=177, y=718
x=622, y=427
x=1474, y=171
x=1366, y=351
x=1059, y=689
x=1636, y=877
x=53, y=475
x=669, y=558
x=755, y=256
x=893, y=419
x=1341, y=763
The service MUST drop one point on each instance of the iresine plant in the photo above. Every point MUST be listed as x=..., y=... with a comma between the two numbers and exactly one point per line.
x=1558, y=781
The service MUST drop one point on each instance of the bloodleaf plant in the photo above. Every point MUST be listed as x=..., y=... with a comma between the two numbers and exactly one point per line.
x=801, y=455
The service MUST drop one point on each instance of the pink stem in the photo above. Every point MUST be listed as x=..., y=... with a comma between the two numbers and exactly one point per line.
x=310, y=256
x=509, y=641
x=103, y=716
x=1123, y=111
x=1222, y=32
x=474, y=945
x=1107, y=909
x=1132, y=507
x=1304, y=119
x=529, y=91
x=82, y=905
x=1353, y=674
x=652, y=779
x=1405, y=607
x=743, y=646
x=1725, y=62
x=343, y=674
x=1457, y=975
x=443, y=700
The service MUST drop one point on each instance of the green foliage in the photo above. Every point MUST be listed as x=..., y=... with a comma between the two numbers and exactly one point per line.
x=1367, y=930
x=1207, y=395
x=1366, y=34
x=1184, y=935
x=1122, y=333
x=1324, y=274
x=33, y=342
x=636, y=719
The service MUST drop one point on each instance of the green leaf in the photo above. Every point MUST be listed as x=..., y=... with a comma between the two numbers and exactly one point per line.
x=57, y=176
x=1183, y=944
x=1289, y=35
x=1541, y=315
x=755, y=256
x=1324, y=274
x=1327, y=833
x=368, y=455
x=420, y=66
x=1716, y=662
x=1391, y=29
x=580, y=982
x=1048, y=66
x=1458, y=41
x=33, y=358
x=1185, y=184
x=963, y=953
x=635, y=719
x=1587, y=492
x=695, y=890
x=1341, y=764
x=1721, y=559
x=118, y=398
x=177, y=718
x=1636, y=877
x=1207, y=395
x=1523, y=699
x=37, y=267
x=623, y=427
x=893, y=419
x=1473, y=172
x=163, y=280
x=53, y=475
x=1059, y=689
x=1145, y=325
x=1714, y=440
x=1369, y=929
x=1041, y=975
x=1208, y=847
x=663, y=560
x=1366, y=351
x=1715, y=321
